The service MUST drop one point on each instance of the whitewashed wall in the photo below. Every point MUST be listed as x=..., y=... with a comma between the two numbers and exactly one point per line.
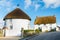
x=57, y=29
x=17, y=25
x=45, y=27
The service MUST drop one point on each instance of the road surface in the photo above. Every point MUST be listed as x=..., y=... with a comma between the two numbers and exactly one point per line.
x=45, y=36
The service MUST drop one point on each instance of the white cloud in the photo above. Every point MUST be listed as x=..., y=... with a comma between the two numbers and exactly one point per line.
x=8, y=9
x=2, y=3
x=5, y=3
x=8, y=4
x=47, y=3
x=52, y=3
x=37, y=6
x=27, y=3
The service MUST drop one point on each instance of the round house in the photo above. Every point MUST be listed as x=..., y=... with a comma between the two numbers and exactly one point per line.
x=15, y=21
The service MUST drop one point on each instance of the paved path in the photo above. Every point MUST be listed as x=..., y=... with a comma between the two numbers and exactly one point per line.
x=46, y=36
x=9, y=38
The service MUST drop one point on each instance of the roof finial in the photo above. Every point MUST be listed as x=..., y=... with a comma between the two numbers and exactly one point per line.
x=17, y=5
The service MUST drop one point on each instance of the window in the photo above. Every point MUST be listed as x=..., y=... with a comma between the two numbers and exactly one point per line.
x=5, y=23
x=11, y=27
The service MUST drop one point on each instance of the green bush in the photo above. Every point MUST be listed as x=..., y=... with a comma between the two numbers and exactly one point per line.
x=37, y=31
x=28, y=33
x=52, y=30
x=46, y=31
x=31, y=32
x=28, y=30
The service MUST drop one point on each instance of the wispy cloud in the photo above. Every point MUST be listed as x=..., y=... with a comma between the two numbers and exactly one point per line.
x=37, y=6
x=27, y=3
x=47, y=3
x=52, y=3
x=6, y=4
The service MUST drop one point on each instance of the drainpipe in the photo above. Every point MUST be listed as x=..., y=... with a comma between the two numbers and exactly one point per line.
x=22, y=32
x=4, y=32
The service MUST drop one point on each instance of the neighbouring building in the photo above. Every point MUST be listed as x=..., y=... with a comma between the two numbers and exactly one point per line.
x=58, y=28
x=45, y=23
x=15, y=21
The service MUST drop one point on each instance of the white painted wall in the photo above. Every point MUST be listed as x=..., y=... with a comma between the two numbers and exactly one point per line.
x=17, y=25
x=36, y=26
x=45, y=27
x=57, y=29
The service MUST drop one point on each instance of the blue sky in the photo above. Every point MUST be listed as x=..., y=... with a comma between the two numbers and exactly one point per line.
x=31, y=7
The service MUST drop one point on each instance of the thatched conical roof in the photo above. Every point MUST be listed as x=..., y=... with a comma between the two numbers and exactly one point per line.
x=17, y=14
